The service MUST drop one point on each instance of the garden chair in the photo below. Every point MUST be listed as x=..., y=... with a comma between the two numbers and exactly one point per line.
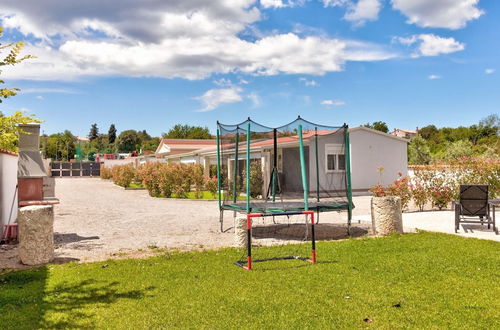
x=474, y=206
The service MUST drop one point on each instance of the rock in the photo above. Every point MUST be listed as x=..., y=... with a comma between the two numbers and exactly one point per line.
x=240, y=231
x=36, y=234
x=387, y=217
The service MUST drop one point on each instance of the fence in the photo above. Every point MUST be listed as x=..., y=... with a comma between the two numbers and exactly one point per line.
x=75, y=169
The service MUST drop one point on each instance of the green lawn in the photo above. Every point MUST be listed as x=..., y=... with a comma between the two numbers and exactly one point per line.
x=423, y=280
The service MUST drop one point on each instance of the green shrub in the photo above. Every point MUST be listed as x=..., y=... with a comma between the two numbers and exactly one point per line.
x=149, y=174
x=197, y=179
x=123, y=175
x=212, y=185
x=105, y=173
x=256, y=179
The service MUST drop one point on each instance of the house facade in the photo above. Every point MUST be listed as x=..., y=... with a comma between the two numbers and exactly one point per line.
x=376, y=157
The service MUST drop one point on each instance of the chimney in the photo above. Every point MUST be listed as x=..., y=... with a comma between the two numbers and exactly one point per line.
x=31, y=172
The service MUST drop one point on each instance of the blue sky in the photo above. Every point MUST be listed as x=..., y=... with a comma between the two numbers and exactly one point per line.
x=151, y=65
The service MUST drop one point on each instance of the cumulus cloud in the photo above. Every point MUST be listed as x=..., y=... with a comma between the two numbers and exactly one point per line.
x=434, y=76
x=213, y=98
x=311, y=83
x=431, y=45
x=332, y=103
x=169, y=39
x=451, y=14
x=363, y=11
x=489, y=71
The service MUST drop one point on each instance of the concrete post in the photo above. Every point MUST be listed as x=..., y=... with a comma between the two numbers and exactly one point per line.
x=36, y=234
x=387, y=217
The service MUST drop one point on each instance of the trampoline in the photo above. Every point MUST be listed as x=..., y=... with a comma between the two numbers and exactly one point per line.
x=300, y=166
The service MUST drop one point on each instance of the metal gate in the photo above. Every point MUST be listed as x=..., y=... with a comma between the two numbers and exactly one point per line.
x=68, y=169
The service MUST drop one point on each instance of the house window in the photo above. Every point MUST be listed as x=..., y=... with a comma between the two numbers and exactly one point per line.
x=334, y=157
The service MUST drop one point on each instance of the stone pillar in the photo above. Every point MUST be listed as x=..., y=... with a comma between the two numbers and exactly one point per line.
x=240, y=231
x=36, y=234
x=387, y=217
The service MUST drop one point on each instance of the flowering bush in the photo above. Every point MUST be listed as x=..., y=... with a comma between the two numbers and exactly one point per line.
x=198, y=180
x=378, y=190
x=123, y=175
x=150, y=176
x=420, y=195
x=211, y=184
x=401, y=188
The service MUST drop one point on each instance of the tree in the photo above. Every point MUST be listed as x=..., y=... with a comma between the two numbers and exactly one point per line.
x=9, y=125
x=12, y=58
x=379, y=126
x=460, y=148
x=60, y=146
x=112, y=134
x=94, y=132
x=128, y=141
x=9, y=129
x=418, y=151
x=188, y=132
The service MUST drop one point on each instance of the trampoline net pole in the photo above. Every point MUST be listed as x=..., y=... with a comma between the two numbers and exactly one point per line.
x=248, y=168
x=303, y=169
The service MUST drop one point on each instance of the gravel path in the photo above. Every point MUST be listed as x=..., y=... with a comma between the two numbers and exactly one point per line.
x=97, y=220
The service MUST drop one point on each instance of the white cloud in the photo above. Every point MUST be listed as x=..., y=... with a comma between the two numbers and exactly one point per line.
x=256, y=99
x=489, y=71
x=47, y=90
x=39, y=97
x=223, y=82
x=311, y=83
x=168, y=39
x=363, y=11
x=431, y=45
x=451, y=14
x=332, y=103
x=334, y=3
x=272, y=3
x=434, y=76
x=213, y=98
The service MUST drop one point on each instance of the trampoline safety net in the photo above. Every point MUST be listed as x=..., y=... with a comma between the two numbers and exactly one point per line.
x=295, y=167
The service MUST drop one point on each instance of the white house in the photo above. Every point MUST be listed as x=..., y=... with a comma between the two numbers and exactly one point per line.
x=376, y=157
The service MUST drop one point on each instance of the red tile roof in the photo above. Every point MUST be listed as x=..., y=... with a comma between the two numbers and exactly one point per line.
x=6, y=152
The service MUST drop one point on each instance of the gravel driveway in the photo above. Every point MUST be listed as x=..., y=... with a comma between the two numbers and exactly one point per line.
x=96, y=220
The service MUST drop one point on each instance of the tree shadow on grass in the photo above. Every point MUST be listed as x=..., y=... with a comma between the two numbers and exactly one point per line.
x=72, y=305
x=28, y=301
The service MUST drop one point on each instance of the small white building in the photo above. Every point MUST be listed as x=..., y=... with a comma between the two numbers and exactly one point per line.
x=376, y=157
x=8, y=184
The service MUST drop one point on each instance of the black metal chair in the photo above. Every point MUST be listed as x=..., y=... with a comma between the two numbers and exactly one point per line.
x=473, y=204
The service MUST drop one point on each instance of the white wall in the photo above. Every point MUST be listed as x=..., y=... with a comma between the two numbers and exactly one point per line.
x=369, y=151
x=8, y=182
x=109, y=163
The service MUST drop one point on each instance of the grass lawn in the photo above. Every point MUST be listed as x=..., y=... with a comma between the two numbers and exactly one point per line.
x=136, y=185
x=423, y=280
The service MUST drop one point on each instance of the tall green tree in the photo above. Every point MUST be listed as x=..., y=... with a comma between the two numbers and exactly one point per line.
x=128, y=141
x=94, y=132
x=188, y=132
x=60, y=146
x=418, y=151
x=379, y=126
x=112, y=134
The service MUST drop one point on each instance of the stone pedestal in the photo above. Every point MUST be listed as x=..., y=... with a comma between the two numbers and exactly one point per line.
x=36, y=234
x=387, y=216
x=240, y=231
